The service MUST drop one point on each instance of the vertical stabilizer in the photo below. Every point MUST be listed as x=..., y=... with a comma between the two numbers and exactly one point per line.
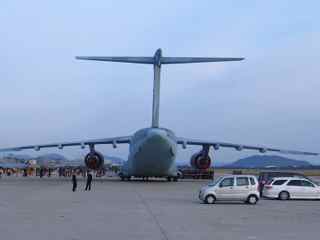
x=157, y=60
x=156, y=88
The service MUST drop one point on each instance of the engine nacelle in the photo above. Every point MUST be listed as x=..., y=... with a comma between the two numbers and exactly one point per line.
x=94, y=160
x=200, y=160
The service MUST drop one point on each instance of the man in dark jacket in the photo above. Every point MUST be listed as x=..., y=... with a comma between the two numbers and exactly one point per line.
x=74, y=182
x=89, y=180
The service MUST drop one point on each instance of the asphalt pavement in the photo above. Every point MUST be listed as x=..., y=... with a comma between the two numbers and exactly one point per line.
x=32, y=208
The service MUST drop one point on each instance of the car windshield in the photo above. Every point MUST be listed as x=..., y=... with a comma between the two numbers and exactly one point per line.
x=214, y=182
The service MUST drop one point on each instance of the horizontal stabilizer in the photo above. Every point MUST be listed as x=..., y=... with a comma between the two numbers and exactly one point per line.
x=142, y=60
x=163, y=60
x=177, y=60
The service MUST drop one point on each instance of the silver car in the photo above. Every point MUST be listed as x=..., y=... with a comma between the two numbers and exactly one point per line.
x=291, y=188
x=231, y=188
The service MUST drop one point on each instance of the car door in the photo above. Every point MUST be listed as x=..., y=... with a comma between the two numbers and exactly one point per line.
x=318, y=191
x=295, y=189
x=241, y=188
x=309, y=189
x=225, y=189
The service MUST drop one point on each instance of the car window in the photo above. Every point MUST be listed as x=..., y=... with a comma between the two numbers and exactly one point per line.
x=307, y=184
x=227, y=182
x=279, y=182
x=294, y=183
x=242, y=181
x=252, y=181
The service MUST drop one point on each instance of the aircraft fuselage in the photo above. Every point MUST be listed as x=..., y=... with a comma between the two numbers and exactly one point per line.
x=152, y=153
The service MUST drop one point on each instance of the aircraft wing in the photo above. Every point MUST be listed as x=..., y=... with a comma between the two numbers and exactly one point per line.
x=216, y=145
x=114, y=141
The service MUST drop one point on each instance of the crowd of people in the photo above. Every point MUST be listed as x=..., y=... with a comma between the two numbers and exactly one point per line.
x=66, y=172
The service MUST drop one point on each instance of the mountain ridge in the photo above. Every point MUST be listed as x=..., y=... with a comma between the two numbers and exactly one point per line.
x=268, y=161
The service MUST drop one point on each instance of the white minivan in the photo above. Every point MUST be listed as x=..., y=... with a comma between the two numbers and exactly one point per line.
x=231, y=188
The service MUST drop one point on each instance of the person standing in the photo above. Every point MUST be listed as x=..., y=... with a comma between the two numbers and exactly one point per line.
x=89, y=181
x=74, y=182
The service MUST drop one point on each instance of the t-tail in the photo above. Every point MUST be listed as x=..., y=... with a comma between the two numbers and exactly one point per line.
x=157, y=60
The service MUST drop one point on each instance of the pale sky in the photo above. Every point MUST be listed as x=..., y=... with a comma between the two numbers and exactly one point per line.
x=271, y=98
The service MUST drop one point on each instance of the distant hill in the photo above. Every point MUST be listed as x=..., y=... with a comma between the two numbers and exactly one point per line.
x=25, y=157
x=268, y=161
x=51, y=156
x=50, y=159
x=17, y=157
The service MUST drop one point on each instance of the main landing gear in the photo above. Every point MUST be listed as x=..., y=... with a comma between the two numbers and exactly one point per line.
x=128, y=178
x=125, y=178
x=175, y=179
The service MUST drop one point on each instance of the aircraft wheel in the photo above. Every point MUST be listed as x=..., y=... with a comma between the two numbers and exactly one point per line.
x=169, y=179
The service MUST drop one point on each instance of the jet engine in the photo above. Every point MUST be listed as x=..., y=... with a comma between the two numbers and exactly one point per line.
x=201, y=160
x=94, y=160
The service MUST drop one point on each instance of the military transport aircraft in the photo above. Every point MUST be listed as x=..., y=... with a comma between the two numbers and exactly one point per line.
x=153, y=150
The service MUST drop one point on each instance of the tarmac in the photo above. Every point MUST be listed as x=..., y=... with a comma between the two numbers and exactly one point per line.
x=33, y=208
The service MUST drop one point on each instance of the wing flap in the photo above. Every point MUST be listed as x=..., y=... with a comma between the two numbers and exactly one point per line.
x=114, y=141
x=239, y=147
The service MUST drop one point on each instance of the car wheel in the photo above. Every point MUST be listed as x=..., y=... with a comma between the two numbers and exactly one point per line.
x=284, y=195
x=210, y=199
x=252, y=199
